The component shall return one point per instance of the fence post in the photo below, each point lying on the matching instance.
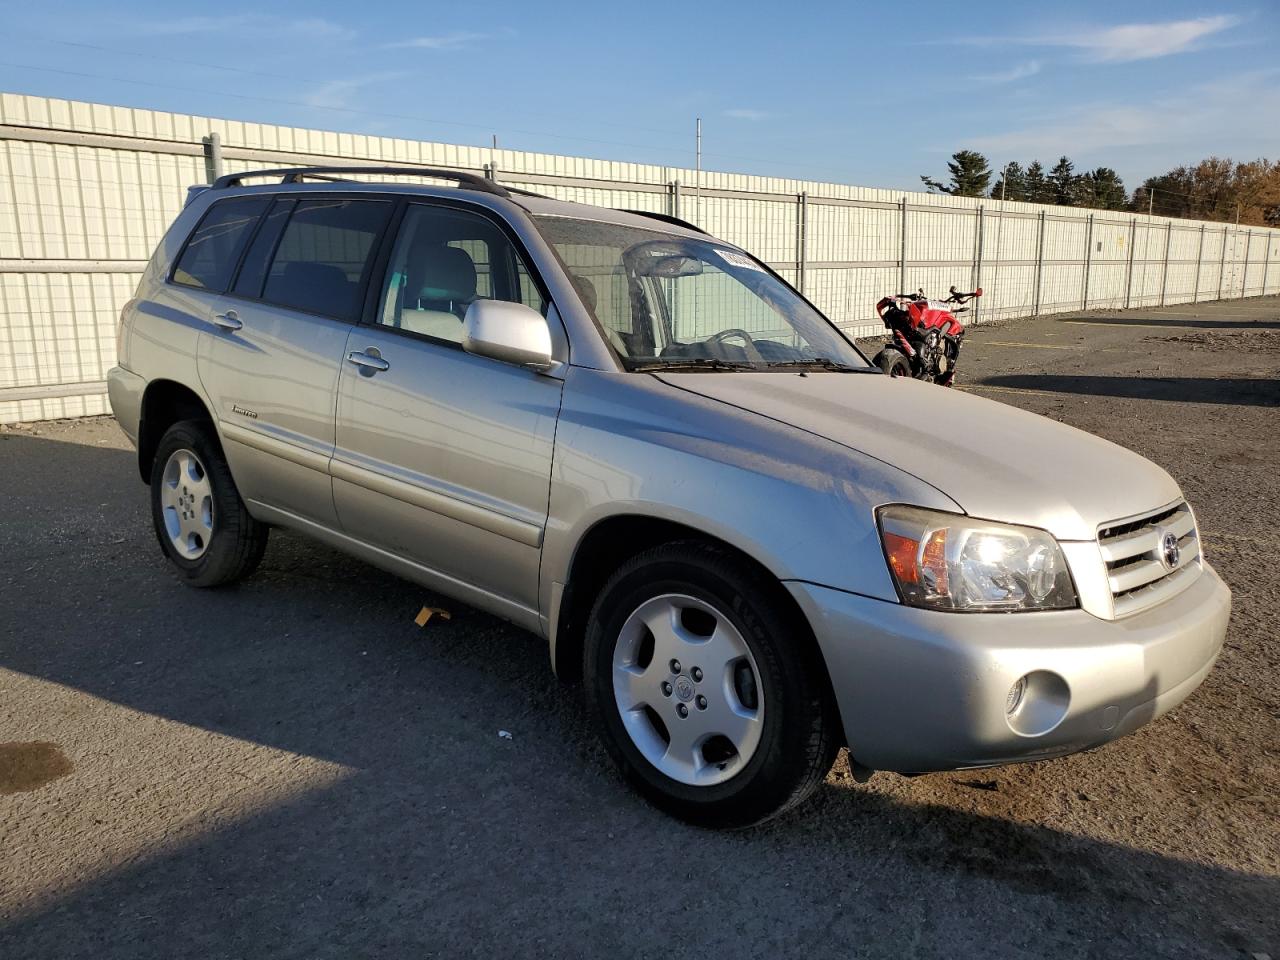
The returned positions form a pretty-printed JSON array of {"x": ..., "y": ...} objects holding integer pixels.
[
  {"x": 1035, "y": 310},
  {"x": 1195, "y": 296},
  {"x": 1088, "y": 262},
  {"x": 1164, "y": 273},
  {"x": 1222, "y": 264},
  {"x": 902, "y": 253},
  {"x": 1244, "y": 279},
  {"x": 213, "y": 156},
  {"x": 977, "y": 284},
  {"x": 802, "y": 238},
  {"x": 1266, "y": 266},
  {"x": 1128, "y": 276}
]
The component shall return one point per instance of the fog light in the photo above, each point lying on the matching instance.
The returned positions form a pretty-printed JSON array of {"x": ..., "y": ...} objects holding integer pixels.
[{"x": 1014, "y": 700}]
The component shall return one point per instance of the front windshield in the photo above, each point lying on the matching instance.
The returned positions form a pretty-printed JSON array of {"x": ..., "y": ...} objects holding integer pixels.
[{"x": 674, "y": 301}]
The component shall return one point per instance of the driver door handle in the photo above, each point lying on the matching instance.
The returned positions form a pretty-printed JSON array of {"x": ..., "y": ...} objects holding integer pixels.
[
  {"x": 228, "y": 321},
  {"x": 367, "y": 361}
]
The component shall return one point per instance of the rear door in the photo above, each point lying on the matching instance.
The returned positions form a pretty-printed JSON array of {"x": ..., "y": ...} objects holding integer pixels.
[
  {"x": 443, "y": 457},
  {"x": 270, "y": 361}
]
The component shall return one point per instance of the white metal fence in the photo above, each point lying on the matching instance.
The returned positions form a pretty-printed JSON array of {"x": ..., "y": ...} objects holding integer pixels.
[{"x": 87, "y": 190}]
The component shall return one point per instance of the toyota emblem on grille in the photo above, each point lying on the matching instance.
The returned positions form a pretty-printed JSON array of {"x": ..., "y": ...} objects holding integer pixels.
[{"x": 1169, "y": 551}]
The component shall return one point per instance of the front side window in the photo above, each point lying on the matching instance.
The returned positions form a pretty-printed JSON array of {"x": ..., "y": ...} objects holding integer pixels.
[
  {"x": 214, "y": 249},
  {"x": 323, "y": 255},
  {"x": 444, "y": 260},
  {"x": 665, "y": 300}
]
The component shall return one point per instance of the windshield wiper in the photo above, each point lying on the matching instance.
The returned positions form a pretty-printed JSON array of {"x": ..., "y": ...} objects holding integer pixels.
[
  {"x": 687, "y": 363},
  {"x": 824, "y": 363}
]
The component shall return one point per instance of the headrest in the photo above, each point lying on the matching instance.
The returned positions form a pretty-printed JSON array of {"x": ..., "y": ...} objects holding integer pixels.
[{"x": 442, "y": 273}]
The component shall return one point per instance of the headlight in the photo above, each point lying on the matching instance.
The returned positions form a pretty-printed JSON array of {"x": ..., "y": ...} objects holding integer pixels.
[{"x": 945, "y": 561}]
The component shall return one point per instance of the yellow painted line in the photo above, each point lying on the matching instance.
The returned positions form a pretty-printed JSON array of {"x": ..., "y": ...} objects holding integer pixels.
[{"x": 1015, "y": 343}]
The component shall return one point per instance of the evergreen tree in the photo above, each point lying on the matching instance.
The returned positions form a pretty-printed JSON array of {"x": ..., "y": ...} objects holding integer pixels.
[
  {"x": 970, "y": 176},
  {"x": 1038, "y": 188},
  {"x": 1012, "y": 184},
  {"x": 1065, "y": 183},
  {"x": 1102, "y": 188}
]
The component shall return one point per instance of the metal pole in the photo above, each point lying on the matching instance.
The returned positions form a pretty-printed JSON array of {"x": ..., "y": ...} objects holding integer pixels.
[
  {"x": 698, "y": 170},
  {"x": 1244, "y": 279},
  {"x": 1266, "y": 266},
  {"x": 1088, "y": 262},
  {"x": 1222, "y": 264},
  {"x": 977, "y": 285},
  {"x": 1151, "y": 202},
  {"x": 802, "y": 229},
  {"x": 902, "y": 253},
  {"x": 213, "y": 156},
  {"x": 675, "y": 199},
  {"x": 1128, "y": 277},
  {"x": 1195, "y": 296},
  {"x": 1035, "y": 312},
  {"x": 1164, "y": 273}
]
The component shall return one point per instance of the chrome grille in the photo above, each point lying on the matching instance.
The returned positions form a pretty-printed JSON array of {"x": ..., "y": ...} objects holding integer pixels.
[{"x": 1138, "y": 571}]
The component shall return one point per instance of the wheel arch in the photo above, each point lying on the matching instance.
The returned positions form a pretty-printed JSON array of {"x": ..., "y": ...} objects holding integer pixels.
[
  {"x": 164, "y": 403},
  {"x": 611, "y": 542}
]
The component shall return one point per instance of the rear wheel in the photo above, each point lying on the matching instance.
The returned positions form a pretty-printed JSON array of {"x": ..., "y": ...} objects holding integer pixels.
[
  {"x": 893, "y": 363},
  {"x": 199, "y": 518},
  {"x": 709, "y": 696}
]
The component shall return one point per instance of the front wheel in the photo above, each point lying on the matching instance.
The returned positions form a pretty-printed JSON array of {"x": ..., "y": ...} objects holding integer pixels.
[
  {"x": 200, "y": 520},
  {"x": 893, "y": 363},
  {"x": 709, "y": 695}
]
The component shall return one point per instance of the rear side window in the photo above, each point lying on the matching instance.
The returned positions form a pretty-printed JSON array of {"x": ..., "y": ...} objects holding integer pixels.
[
  {"x": 214, "y": 249},
  {"x": 323, "y": 256}
]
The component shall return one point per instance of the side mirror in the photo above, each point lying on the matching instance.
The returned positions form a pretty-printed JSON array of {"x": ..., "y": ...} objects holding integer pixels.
[{"x": 510, "y": 332}]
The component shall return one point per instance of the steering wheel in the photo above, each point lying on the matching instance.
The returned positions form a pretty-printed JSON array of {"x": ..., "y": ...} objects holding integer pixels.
[{"x": 748, "y": 345}]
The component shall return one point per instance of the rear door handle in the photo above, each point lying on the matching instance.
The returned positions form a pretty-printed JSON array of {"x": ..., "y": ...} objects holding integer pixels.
[
  {"x": 228, "y": 321},
  {"x": 369, "y": 360}
]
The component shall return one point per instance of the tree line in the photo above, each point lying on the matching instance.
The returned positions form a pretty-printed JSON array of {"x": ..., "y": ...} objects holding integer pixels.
[{"x": 1213, "y": 189}]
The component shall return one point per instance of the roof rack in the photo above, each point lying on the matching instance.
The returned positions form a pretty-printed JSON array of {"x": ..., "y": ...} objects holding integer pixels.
[
  {"x": 466, "y": 181},
  {"x": 666, "y": 218}
]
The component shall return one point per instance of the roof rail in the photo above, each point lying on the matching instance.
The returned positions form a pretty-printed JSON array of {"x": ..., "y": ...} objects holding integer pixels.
[
  {"x": 666, "y": 218},
  {"x": 466, "y": 181}
]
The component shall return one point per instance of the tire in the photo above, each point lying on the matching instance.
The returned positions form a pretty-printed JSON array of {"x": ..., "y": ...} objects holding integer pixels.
[
  {"x": 200, "y": 520},
  {"x": 773, "y": 697},
  {"x": 893, "y": 363}
]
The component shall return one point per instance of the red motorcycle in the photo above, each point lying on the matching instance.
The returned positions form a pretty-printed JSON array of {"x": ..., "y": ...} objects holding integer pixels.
[{"x": 925, "y": 335}]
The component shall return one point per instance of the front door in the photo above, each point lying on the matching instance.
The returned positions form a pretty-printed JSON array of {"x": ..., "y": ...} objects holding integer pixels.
[{"x": 442, "y": 457}]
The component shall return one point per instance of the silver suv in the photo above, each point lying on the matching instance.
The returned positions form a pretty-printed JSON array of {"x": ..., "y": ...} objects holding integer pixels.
[{"x": 639, "y": 442}]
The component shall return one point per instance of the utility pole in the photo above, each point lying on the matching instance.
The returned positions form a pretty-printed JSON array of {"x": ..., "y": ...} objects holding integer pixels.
[{"x": 1151, "y": 201}]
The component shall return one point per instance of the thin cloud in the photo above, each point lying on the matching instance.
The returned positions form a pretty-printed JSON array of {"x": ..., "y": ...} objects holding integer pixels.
[
  {"x": 445, "y": 41},
  {"x": 338, "y": 94},
  {"x": 315, "y": 27},
  {"x": 745, "y": 113},
  {"x": 1186, "y": 124},
  {"x": 1126, "y": 42},
  {"x": 1019, "y": 72}
]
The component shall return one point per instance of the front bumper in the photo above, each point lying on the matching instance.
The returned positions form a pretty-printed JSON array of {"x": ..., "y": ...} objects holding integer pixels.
[{"x": 922, "y": 690}]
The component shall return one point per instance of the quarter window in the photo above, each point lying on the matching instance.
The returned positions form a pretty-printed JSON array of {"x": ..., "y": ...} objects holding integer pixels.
[
  {"x": 214, "y": 249},
  {"x": 320, "y": 262}
]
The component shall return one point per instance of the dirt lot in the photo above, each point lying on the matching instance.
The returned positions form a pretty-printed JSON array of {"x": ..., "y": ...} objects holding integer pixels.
[{"x": 292, "y": 768}]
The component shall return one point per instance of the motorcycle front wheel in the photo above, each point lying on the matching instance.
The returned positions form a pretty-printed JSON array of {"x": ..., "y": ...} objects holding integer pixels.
[{"x": 893, "y": 363}]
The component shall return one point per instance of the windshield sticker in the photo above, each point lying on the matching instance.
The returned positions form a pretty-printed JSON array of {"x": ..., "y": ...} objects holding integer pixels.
[{"x": 735, "y": 259}]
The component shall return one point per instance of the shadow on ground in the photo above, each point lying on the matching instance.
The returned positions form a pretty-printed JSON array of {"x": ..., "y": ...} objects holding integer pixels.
[
  {"x": 1241, "y": 391},
  {"x": 447, "y": 839},
  {"x": 1173, "y": 322}
]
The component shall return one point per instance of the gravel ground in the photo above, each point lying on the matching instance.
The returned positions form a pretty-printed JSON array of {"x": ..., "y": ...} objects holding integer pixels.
[{"x": 292, "y": 768}]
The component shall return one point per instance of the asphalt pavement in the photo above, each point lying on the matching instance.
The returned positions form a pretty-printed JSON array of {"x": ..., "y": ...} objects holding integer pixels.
[{"x": 293, "y": 768}]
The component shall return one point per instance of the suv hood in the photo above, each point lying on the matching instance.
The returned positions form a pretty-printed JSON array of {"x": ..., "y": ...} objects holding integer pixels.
[{"x": 996, "y": 461}]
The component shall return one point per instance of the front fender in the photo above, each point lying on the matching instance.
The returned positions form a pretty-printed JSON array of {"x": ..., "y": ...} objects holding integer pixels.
[{"x": 800, "y": 505}]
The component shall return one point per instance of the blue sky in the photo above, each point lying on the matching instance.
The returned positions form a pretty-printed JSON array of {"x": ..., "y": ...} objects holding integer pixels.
[{"x": 867, "y": 93}]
